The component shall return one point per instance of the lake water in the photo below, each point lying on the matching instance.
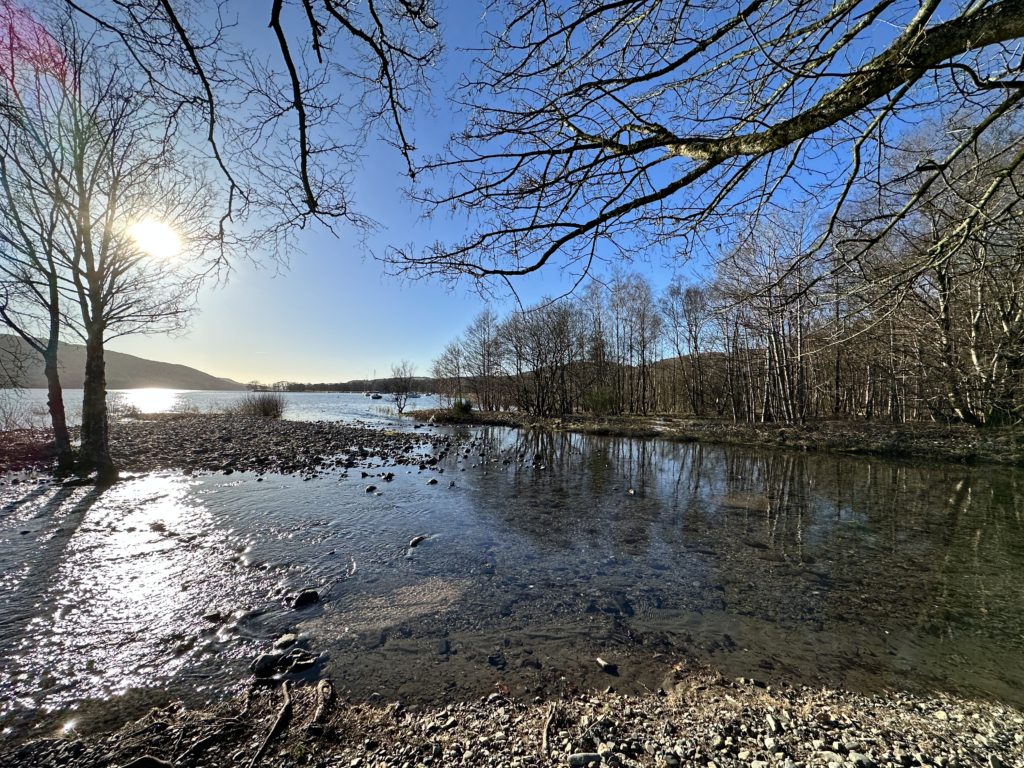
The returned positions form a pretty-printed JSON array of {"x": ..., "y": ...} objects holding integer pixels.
[
  {"x": 550, "y": 550},
  {"x": 301, "y": 406}
]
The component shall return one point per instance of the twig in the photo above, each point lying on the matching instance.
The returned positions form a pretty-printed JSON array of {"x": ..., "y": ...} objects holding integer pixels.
[
  {"x": 547, "y": 728},
  {"x": 198, "y": 745},
  {"x": 247, "y": 703},
  {"x": 280, "y": 723}
]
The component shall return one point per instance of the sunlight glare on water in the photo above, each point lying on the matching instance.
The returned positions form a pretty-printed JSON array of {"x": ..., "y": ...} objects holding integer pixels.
[
  {"x": 123, "y": 606},
  {"x": 151, "y": 400}
]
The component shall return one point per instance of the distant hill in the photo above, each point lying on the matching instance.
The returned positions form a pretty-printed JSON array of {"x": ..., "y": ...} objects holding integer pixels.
[{"x": 123, "y": 371}]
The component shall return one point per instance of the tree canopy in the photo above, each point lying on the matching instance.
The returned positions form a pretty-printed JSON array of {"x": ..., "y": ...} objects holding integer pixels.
[
  {"x": 283, "y": 121},
  {"x": 600, "y": 129}
]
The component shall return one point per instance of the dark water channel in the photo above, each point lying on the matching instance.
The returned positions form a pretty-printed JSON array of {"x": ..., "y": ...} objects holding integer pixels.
[{"x": 550, "y": 550}]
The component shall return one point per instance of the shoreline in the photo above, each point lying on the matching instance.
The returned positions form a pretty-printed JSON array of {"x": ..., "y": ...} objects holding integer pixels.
[
  {"x": 227, "y": 443},
  {"x": 235, "y": 443},
  {"x": 698, "y": 719},
  {"x": 922, "y": 441}
]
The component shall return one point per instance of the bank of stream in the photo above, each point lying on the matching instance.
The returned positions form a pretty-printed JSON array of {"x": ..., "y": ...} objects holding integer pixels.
[{"x": 923, "y": 441}]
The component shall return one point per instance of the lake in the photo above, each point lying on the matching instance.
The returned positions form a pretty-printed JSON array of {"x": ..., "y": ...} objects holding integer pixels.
[
  {"x": 301, "y": 406},
  {"x": 549, "y": 549}
]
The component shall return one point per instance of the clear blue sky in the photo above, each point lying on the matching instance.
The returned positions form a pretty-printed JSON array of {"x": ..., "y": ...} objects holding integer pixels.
[{"x": 333, "y": 314}]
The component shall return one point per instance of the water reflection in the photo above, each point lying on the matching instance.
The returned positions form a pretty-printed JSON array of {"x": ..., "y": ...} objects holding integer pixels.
[
  {"x": 846, "y": 571},
  {"x": 548, "y": 550}
]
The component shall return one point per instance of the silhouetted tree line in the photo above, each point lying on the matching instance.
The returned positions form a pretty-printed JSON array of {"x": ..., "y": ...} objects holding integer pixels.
[
  {"x": 417, "y": 384},
  {"x": 770, "y": 336}
]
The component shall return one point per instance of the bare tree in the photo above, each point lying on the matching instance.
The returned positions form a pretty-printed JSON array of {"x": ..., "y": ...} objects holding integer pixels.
[
  {"x": 96, "y": 197},
  {"x": 448, "y": 369},
  {"x": 402, "y": 376},
  {"x": 480, "y": 358},
  {"x": 30, "y": 298},
  {"x": 602, "y": 129},
  {"x": 284, "y": 130}
]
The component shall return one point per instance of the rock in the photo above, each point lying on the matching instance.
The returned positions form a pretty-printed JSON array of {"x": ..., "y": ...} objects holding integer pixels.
[
  {"x": 861, "y": 761},
  {"x": 305, "y": 599},
  {"x": 265, "y": 664},
  {"x": 497, "y": 660},
  {"x": 940, "y": 715},
  {"x": 432, "y": 481},
  {"x": 285, "y": 640},
  {"x": 370, "y": 488},
  {"x": 147, "y": 761},
  {"x": 773, "y": 725},
  {"x": 298, "y": 660},
  {"x": 607, "y": 666},
  {"x": 417, "y": 540},
  {"x": 583, "y": 759},
  {"x": 995, "y": 762}
]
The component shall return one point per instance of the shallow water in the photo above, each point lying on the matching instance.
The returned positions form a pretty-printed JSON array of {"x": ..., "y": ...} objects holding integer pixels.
[{"x": 550, "y": 550}]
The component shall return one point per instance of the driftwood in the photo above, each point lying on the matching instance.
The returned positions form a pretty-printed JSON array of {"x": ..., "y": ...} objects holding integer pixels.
[
  {"x": 324, "y": 700},
  {"x": 280, "y": 723},
  {"x": 545, "y": 747}
]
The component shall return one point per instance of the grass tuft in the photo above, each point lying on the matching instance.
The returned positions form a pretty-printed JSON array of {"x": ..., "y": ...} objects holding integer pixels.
[{"x": 261, "y": 405}]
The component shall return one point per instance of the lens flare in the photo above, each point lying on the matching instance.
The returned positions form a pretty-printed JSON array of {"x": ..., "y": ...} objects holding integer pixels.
[{"x": 155, "y": 238}]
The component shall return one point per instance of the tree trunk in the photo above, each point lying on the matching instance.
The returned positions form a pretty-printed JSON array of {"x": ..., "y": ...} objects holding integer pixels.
[
  {"x": 95, "y": 452},
  {"x": 55, "y": 403}
]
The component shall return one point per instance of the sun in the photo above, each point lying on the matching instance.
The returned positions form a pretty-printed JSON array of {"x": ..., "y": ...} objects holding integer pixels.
[{"x": 155, "y": 238}]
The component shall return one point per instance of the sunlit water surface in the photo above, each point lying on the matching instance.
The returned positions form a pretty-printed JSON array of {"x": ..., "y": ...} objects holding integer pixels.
[
  {"x": 550, "y": 549},
  {"x": 300, "y": 406}
]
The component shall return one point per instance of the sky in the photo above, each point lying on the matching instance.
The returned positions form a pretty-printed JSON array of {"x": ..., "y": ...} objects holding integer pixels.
[
  {"x": 331, "y": 314},
  {"x": 334, "y": 314}
]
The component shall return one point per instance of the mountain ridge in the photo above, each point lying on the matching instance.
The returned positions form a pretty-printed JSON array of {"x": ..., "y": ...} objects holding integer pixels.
[{"x": 124, "y": 371}]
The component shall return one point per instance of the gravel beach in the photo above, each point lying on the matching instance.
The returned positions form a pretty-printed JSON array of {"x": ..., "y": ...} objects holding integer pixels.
[
  {"x": 701, "y": 720},
  {"x": 231, "y": 443}
]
